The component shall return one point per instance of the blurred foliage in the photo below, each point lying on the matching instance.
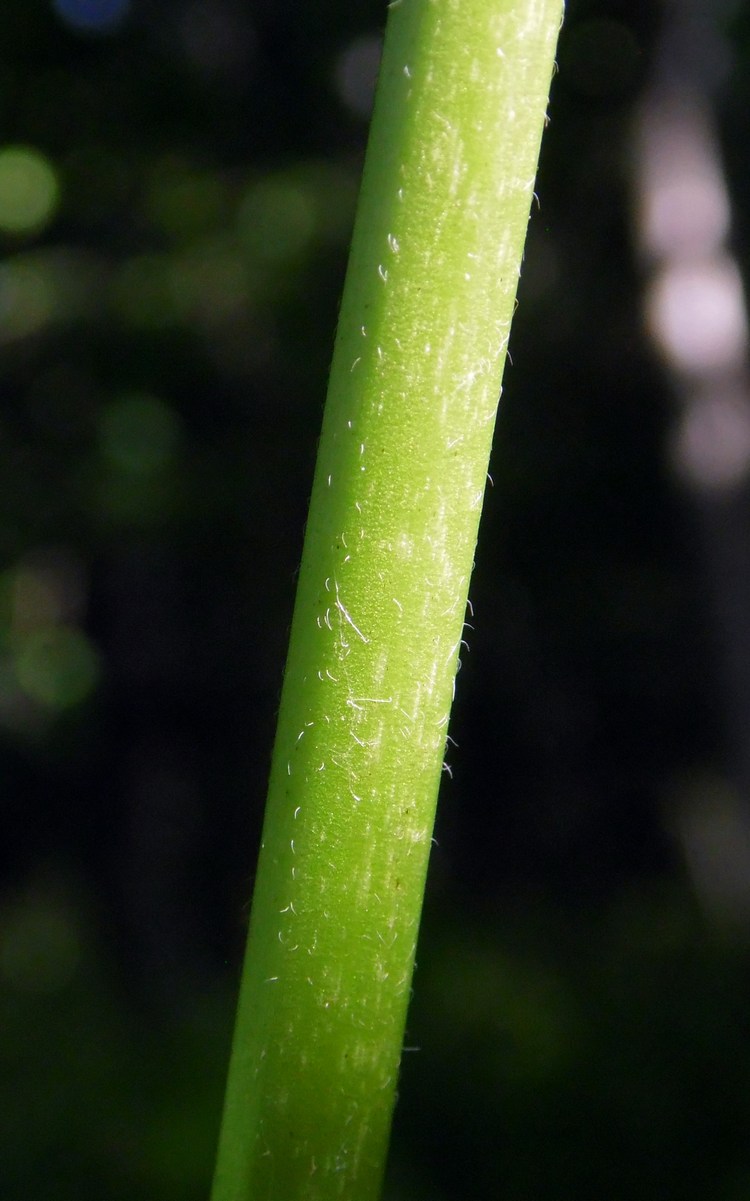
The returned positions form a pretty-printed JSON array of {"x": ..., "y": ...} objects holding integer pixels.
[{"x": 177, "y": 185}]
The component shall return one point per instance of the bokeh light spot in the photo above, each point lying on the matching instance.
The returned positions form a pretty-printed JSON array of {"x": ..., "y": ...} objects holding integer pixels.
[
  {"x": 39, "y": 947},
  {"x": 139, "y": 433},
  {"x": 28, "y": 297},
  {"x": 57, "y": 667},
  {"x": 208, "y": 282},
  {"x": 35, "y": 600},
  {"x": 141, "y": 295},
  {"x": 276, "y": 220},
  {"x": 92, "y": 16},
  {"x": 185, "y": 203},
  {"x": 217, "y": 37},
  {"x": 29, "y": 190},
  {"x": 47, "y": 588},
  {"x": 356, "y": 73}
]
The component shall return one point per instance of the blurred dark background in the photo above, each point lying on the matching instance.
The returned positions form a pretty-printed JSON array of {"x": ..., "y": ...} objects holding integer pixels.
[{"x": 177, "y": 184}]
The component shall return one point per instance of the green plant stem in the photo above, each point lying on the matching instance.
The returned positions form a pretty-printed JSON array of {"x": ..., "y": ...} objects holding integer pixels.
[{"x": 381, "y": 597}]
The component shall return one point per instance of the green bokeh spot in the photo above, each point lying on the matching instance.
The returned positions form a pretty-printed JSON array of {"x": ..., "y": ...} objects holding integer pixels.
[
  {"x": 30, "y": 296},
  {"x": 29, "y": 190},
  {"x": 57, "y": 667},
  {"x": 139, "y": 434},
  {"x": 39, "y": 947},
  {"x": 276, "y": 220}
]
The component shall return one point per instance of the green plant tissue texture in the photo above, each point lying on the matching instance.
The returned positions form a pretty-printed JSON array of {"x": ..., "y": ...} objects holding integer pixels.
[{"x": 381, "y": 596}]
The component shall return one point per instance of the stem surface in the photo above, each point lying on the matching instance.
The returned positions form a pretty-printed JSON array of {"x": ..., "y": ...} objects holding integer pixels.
[{"x": 381, "y": 597}]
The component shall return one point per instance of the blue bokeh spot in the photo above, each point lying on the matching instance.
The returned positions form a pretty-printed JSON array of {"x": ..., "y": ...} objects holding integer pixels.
[{"x": 92, "y": 16}]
